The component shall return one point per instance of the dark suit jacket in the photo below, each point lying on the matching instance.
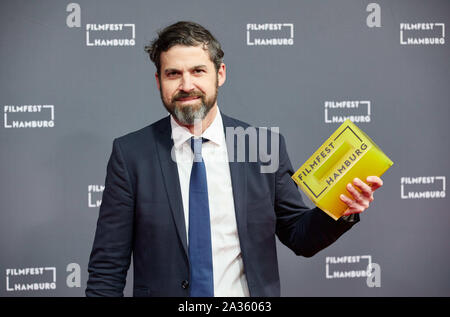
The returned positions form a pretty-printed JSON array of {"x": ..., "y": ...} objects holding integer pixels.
[{"x": 142, "y": 215}]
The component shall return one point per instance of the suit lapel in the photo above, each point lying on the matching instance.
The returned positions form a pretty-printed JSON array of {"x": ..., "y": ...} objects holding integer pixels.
[{"x": 171, "y": 179}]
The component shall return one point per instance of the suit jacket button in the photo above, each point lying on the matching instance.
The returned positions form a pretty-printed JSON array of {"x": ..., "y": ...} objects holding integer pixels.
[{"x": 185, "y": 284}]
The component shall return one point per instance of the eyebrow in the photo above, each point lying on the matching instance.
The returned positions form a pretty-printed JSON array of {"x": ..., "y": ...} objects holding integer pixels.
[{"x": 168, "y": 70}]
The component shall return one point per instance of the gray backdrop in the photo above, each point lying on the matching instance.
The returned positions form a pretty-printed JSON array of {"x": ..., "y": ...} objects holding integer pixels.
[{"x": 341, "y": 51}]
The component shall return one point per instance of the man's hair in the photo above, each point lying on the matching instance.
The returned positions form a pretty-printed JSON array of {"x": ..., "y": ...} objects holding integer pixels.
[{"x": 186, "y": 34}]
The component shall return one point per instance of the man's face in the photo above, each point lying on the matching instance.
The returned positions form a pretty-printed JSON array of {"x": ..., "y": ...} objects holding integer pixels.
[{"x": 188, "y": 82}]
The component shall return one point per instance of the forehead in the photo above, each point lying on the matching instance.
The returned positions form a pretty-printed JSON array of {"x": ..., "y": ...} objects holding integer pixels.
[{"x": 180, "y": 56}]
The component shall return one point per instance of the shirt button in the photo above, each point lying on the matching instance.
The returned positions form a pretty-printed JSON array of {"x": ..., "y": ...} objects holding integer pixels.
[{"x": 185, "y": 284}]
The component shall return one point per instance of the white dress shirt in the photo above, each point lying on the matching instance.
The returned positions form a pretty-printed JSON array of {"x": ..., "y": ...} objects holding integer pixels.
[{"x": 228, "y": 267}]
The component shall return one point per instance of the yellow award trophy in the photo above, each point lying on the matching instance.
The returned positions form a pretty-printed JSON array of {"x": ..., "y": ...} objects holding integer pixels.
[{"x": 348, "y": 153}]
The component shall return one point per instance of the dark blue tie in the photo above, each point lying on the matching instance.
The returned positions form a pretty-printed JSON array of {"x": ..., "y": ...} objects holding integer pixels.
[{"x": 200, "y": 253}]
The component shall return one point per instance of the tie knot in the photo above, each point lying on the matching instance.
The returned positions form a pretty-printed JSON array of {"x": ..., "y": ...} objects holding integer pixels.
[{"x": 196, "y": 145}]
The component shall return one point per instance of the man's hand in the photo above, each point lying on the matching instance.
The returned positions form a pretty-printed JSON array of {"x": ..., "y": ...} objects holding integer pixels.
[{"x": 363, "y": 197}]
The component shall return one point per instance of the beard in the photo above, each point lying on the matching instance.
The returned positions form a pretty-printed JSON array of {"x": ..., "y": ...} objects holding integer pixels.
[{"x": 187, "y": 114}]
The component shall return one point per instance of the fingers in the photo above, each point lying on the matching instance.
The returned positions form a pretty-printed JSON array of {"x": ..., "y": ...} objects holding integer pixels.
[
  {"x": 357, "y": 196},
  {"x": 366, "y": 191},
  {"x": 353, "y": 206},
  {"x": 362, "y": 197},
  {"x": 375, "y": 182},
  {"x": 349, "y": 202}
]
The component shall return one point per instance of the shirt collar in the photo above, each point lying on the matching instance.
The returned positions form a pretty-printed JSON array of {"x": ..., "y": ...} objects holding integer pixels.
[{"x": 213, "y": 133}]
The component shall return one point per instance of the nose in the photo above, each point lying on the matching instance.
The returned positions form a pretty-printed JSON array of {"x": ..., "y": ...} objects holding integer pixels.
[{"x": 186, "y": 82}]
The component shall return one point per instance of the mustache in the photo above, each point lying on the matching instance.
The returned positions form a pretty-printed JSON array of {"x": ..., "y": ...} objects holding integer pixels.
[{"x": 183, "y": 94}]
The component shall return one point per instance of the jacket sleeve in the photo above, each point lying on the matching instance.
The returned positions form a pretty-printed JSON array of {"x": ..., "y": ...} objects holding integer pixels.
[
  {"x": 305, "y": 231},
  {"x": 111, "y": 252}
]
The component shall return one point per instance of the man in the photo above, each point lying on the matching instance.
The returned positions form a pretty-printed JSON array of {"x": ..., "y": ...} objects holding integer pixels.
[{"x": 197, "y": 222}]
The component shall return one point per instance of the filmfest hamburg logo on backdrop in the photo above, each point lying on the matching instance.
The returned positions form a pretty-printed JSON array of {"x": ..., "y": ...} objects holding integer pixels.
[
  {"x": 40, "y": 278},
  {"x": 422, "y": 33},
  {"x": 121, "y": 34},
  {"x": 102, "y": 34},
  {"x": 29, "y": 116},
  {"x": 422, "y": 187},
  {"x": 355, "y": 110},
  {"x": 270, "y": 34},
  {"x": 354, "y": 266},
  {"x": 95, "y": 195},
  {"x": 31, "y": 279}
]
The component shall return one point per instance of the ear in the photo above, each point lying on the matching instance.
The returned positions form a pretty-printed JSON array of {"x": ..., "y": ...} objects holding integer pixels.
[
  {"x": 221, "y": 74},
  {"x": 158, "y": 84}
]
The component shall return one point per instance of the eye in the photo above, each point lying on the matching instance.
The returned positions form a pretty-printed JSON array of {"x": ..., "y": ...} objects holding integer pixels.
[
  {"x": 172, "y": 73},
  {"x": 199, "y": 71}
]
